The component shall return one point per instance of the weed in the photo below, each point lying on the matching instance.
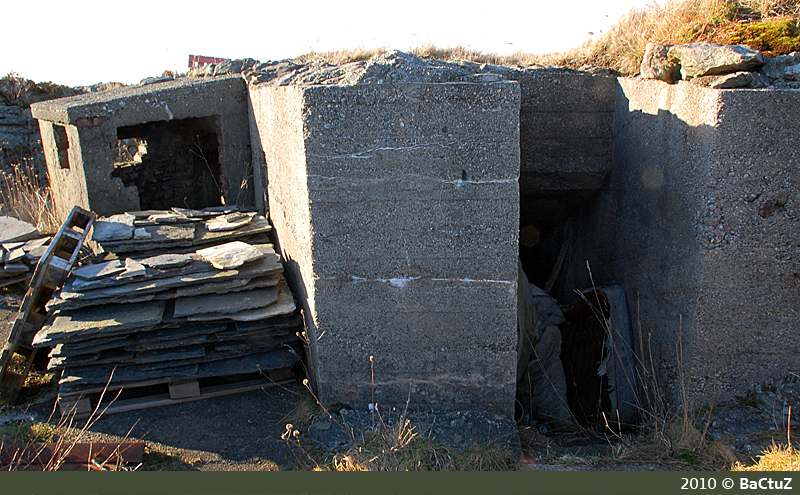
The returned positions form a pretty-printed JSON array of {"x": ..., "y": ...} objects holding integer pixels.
[
  {"x": 157, "y": 461},
  {"x": 25, "y": 197},
  {"x": 16, "y": 90},
  {"x": 62, "y": 436},
  {"x": 400, "y": 446},
  {"x": 775, "y": 458},
  {"x": 27, "y": 432}
]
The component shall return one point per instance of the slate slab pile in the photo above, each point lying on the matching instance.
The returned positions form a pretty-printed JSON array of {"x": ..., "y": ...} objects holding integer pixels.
[
  {"x": 21, "y": 246},
  {"x": 181, "y": 298}
]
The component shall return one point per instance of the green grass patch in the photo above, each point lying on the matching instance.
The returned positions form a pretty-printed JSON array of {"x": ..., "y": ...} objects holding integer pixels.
[{"x": 778, "y": 37}]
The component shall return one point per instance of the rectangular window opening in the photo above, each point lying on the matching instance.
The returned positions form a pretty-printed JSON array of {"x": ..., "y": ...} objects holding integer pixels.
[
  {"x": 172, "y": 164},
  {"x": 62, "y": 145}
]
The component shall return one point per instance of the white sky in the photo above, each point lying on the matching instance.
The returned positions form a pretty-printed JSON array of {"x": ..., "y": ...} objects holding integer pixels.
[{"x": 83, "y": 42}]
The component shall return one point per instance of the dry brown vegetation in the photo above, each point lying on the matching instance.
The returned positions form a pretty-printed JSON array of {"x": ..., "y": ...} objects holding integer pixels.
[
  {"x": 760, "y": 23},
  {"x": 16, "y": 90},
  {"x": 767, "y": 25},
  {"x": 23, "y": 196}
]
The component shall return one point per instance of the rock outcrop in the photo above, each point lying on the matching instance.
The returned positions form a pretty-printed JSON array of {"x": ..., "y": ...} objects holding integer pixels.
[
  {"x": 656, "y": 64},
  {"x": 707, "y": 59},
  {"x": 720, "y": 66}
]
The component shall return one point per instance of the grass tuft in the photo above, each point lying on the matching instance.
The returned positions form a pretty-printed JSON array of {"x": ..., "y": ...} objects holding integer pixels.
[
  {"x": 777, "y": 457},
  {"x": 23, "y": 196},
  {"x": 401, "y": 447}
]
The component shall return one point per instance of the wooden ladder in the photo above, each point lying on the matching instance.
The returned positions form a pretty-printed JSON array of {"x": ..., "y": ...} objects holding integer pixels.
[{"x": 50, "y": 274}]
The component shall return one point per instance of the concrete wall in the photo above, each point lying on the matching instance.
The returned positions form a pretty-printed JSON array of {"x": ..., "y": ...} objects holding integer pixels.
[
  {"x": 711, "y": 280},
  {"x": 92, "y": 120},
  {"x": 566, "y": 126},
  {"x": 399, "y": 205}
]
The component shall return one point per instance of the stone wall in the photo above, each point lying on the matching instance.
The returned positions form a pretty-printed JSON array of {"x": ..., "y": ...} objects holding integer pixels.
[
  {"x": 699, "y": 224},
  {"x": 20, "y": 141},
  {"x": 398, "y": 206}
]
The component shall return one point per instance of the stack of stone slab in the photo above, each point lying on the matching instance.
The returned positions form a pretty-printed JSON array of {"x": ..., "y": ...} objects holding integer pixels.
[
  {"x": 21, "y": 246},
  {"x": 157, "y": 309}
]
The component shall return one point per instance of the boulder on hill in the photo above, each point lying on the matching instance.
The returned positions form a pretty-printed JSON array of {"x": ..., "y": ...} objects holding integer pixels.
[
  {"x": 707, "y": 59},
  {"x": 656, "y": 64}
]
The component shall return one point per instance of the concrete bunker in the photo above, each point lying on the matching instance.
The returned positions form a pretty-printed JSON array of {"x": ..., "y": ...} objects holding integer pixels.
[{"x": 402, "y": 203}]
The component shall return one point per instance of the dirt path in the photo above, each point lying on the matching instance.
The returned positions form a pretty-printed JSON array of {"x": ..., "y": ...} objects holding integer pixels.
[{"x": 231, "y": 433}]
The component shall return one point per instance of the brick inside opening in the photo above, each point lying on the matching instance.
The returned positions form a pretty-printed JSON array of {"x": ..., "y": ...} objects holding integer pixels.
[
  {"x": 172, "y": 164},
  {"x": 62, "y": 145}
]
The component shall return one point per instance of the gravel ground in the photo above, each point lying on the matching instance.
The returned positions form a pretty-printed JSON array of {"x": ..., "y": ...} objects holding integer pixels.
[{"x": 243, "y": 431}]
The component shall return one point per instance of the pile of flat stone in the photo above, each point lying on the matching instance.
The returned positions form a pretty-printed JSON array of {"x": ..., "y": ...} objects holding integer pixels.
[
  {"x": 21, "y": 246},
  {"x": 175, "y": 297}
]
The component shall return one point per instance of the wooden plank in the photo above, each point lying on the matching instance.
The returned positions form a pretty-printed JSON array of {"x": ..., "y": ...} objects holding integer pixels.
[
  {"x": 51, "y": 455},
  {"x": 80, "y": 407},
  {"x": 184, "y": 389},
  {"x": 158, "y": 400},
  {"x": 113, "y": 387}
]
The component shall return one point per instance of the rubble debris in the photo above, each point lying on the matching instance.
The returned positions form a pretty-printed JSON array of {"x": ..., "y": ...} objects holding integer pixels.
[
  {"x": 706, "y": 59},
  {"x": 138, "y": 232},
  {"x": 21, "y": 247},
  {"x": 13, "y": 230},
  {"x": 718, "y": 66},
  {"x": 231, "y": 255},
  {"x": 656, "y": 64},
  {"x": 114, "y": 228},
  {"x": 100, "y": 270},
  {"x": 163, "y": 312}
]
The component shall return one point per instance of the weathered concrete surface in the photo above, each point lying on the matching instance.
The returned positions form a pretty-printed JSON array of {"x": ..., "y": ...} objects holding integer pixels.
[
  {"x": 566, "y": 125},
  {"x": 699, "y": 224},
  {"x": 90, "y": 123},
  {"x": 387, "y": 200}
]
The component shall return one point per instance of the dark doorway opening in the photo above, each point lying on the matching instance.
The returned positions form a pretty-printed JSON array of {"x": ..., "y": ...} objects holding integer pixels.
[
  {"x": 172, "y": 164},
  {"x": 583, "y": 352}
]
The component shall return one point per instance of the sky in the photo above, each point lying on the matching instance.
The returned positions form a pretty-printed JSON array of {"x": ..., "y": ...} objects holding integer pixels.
[{"x": 83, "y": 42}]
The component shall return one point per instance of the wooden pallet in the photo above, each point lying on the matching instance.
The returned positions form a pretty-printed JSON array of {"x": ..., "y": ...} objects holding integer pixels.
[
  {"x": 50, "y": 274},
  {"x": 117, "y": 398}
]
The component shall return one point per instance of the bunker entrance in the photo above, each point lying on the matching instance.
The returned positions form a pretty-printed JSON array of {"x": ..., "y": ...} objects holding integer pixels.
[
  {"x": 172, "y": 164},
  {"x": 579, "y": 369}
]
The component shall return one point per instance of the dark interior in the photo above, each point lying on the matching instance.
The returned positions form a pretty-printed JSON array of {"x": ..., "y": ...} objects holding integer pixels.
[{"x": 172, "y": 163}]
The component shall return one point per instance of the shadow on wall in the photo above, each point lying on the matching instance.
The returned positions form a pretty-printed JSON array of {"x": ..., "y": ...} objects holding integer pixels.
[{"x": 640, "y": 232}]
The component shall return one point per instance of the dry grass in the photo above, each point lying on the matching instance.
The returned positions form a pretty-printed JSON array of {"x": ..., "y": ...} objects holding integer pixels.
[
  {"x": 16, "y": 90},
  {"x": 23, "y": 196},
  {"x": 675, "y": 22},
  {"x": 386, "y": 447},
  {"x": 401, "y": 447},
  {"x": 767, "y": 25},
  {"x": 341, "y": 56},
  {"x": 428, "y": 51},
  {"x": 775, "y": 458}
]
